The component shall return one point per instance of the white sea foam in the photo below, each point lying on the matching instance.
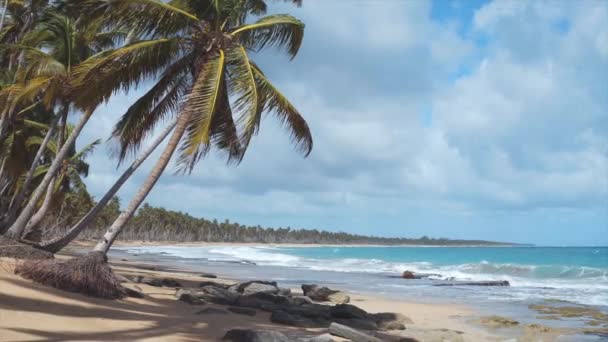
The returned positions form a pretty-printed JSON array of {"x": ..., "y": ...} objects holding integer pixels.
[{"x": 585, "y": 285}]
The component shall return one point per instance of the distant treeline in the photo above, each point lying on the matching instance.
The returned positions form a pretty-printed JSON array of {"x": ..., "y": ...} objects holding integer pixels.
[{"x": 159, "y": 224}]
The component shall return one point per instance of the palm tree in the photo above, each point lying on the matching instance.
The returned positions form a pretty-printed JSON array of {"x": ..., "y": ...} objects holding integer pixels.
[
  {"x": 51, "y": 53},
  {"x": 58, "y": 243},
  {"x": 200, "y": 51},
  {"x": 68, "y": 177}
]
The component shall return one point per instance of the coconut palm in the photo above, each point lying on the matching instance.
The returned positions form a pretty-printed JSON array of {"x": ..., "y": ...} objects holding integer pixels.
[
  {"x": 199, "y": 51},
  {"x": 67, "y": 178},
  {"x": 51, "y": 54}
]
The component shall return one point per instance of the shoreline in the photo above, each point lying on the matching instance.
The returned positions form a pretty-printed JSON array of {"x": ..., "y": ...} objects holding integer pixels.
[
  {"x": 63, "y": 315},
  {"x": 159, "y": 316},
  {"x": 142, "y": 243}
]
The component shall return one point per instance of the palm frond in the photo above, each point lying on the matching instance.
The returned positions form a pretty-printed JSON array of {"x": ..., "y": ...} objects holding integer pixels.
[
  {"x": 162, "y": 99},
  {"x": 279, "y": 30},
  {"x": 243, "y": 85},
  {"x": 149, "y": 18},
  {"x": 201, "y": 104},
  {"x": 275, "y": 102},
  {"x": 104, "y": 74}
]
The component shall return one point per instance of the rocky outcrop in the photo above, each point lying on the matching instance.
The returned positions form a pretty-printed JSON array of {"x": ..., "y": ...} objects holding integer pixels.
[
  {"x": 218, "y": 295},
  {"x": 242, "y": 311},
  {"x": 351, "y": 334},
  {"x": 247, "y": 335},
  {"x": 476, "y": 283},
  {"x": 324, "y": 294},
  {"x": 408, "y": 275},
  {"x": 157, "y": 282},
  {"x": 254, "y": 286},
  {"x": 188, "y": 296}
]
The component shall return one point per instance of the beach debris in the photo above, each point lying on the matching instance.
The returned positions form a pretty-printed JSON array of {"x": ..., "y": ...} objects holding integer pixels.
[
  {"x": 242, "y": 311},
  {"x": 211, "y": 311},
  {"x": 208, "y": 275},
  {"x": 188, "y": 296},
  {"x": 498, "y": 322},
  {"x": 218, "y": 295},
  {"x": 344, "y": 331},
  {"x": 476, "y": 283},
  {"x": 89, "y": 274},
  {"x": 408, "y": 275}
]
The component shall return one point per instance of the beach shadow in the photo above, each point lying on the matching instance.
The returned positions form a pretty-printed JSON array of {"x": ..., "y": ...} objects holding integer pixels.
[{"x": 152, "y": 318}]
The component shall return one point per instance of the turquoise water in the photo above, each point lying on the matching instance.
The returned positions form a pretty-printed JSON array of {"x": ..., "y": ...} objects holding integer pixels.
[{"x": 574, "y": 274}]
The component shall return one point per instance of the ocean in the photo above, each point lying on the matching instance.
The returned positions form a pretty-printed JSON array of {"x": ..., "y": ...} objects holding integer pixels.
[{"x": 575, "y": 275}]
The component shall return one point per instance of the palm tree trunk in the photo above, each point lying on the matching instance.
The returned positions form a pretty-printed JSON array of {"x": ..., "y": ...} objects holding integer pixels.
[
  {"x": 3, "y": 14},
  {"x": 32, "y": 230},
  {"x": 108, "y": 238},
  {"x": 18, "y": 198},
  {"x": 16, "y": 230},
  {"x": 55, "y": 245}
]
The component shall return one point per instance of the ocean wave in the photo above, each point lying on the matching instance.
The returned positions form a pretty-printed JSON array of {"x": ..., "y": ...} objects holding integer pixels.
[{"x": 577, "y": 283}]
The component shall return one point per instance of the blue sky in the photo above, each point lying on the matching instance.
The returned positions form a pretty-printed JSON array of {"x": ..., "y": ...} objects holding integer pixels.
[{"x": 460, "y": 119}]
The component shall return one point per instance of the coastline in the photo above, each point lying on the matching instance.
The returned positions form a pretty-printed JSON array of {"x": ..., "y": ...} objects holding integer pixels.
[{"x": 159, "y": 316}]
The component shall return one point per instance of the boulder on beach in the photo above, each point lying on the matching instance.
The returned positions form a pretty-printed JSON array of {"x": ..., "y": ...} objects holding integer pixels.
[
  {"x": 254, "y": 286},
  {"x": 218, "y": 295},
  {"x": 188, "y": 296},
  {"x": 324, "y": 294},
  {"x": 408, "y": 275}
]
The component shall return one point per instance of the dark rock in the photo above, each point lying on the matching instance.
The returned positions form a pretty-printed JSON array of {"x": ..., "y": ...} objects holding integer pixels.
[
  {"x": 124, "y": 259},
  {"x": 263, "y": 300},
  {"x": 187, "y": 296},
  {"x": 284, "y": 291},
  {"x": 314, "y": 311},
  {"x": 242, "y": 311},
  {"x": 390, "y": 320},
  {"x": 408, "y": 275},
  {"x": 135, "y": 292},
  {"x": 151, "y": 281},
  {"x": 208, "y": 275},
  {"x": 211, "y": 311},
  {"x": 300, "y": 300},
  {"x": 240, "y": 287},
  {"x": 245, "y": 335},
  {"x": 218, "y": 295},
  {"x": 316, "y": 293},
  {"x": 168, "y": 282},
  {"x": 358, "y": 323},
  {"x": 213, "y": 283},
  {"x": 318, "y": 338},
  {"x": 122, "y": 278},
  {"x": 477, "y": 283},
  {"x": 257, "y": 287},
  {"x": 351, "y": 334},
  {"x": 137, "y": 279},
  {"x": 348, "y": 311},
  {"x": 283, "y": 317}
]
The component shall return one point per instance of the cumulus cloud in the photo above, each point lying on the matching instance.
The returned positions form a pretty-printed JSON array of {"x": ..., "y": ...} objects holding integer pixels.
[{"x": 420, "y": 127}]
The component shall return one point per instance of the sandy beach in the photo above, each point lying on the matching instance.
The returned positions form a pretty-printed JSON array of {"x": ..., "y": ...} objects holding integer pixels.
[
  {"x": 31, "y": 312},
  {"x": 61, "y": 316}
]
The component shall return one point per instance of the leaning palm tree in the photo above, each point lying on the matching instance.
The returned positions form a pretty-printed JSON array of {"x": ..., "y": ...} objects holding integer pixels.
[
  {"x": 52, "y": 53},
  {"x": 200, "y": 52}
]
